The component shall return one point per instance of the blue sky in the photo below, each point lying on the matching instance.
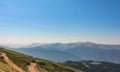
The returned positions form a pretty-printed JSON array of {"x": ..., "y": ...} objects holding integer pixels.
[{"x": 43, "y": 21}]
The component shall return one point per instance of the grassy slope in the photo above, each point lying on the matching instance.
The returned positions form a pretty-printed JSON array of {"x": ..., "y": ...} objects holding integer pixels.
[
  {"x": 22, "y": 60},
  {"x": 55, "y": 67},
  {"x": 5, "y": 67},
  {"x": 19, "y": 59}
]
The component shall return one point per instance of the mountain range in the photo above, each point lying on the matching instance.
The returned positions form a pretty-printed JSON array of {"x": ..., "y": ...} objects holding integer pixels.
[{"x": 60, "y": 52}]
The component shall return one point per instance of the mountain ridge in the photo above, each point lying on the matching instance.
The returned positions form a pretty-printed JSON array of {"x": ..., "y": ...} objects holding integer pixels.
[
  {"x": 63, "y": 44},
  {"x": 73, "y": 51}
]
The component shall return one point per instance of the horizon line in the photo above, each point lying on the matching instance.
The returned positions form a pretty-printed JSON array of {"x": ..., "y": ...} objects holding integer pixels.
[{"x": 58, "y": 42}]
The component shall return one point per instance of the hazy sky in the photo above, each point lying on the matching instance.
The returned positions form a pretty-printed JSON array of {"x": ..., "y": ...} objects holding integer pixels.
[{"x": 43, "y": 21}]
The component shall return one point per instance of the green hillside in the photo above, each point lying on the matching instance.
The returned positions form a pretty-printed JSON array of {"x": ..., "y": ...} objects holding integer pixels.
[{"x": 23, "y": 60}]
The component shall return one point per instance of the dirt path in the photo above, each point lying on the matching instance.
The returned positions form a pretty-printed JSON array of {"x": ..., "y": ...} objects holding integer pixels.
[
  {"x": 10, "y": 63},
  {"x": 33, "y": 68}
]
